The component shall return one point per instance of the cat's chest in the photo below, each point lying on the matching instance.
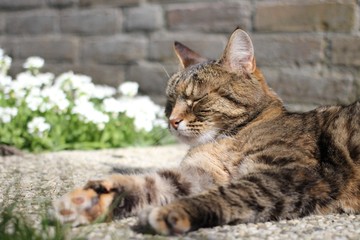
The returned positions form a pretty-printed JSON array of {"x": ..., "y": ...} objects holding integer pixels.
[
  {"x": 222, "y": 158},
  {"x": 226, "y": 159}
]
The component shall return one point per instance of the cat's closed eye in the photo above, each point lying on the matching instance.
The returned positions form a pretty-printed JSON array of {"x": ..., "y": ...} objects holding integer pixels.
[
  {"x": 192, "y": 102},
  {"x": 189, "y": 103},
  {"x": 199, "y": 99}
]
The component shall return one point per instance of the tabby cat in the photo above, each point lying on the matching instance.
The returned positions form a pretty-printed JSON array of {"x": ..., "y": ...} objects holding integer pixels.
[{"x": 250, "y": 160}]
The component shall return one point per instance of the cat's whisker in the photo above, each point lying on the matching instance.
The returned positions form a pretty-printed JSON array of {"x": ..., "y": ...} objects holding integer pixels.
[{"x": 167, "y": 74}]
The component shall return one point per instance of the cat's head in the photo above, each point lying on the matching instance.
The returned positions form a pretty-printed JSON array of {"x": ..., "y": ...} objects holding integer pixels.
[{"x": 209, "y": 99}]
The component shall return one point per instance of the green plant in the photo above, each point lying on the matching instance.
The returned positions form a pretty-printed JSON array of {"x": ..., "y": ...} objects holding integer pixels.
[
  {"x": 16, "y": 226},
  {"x": 39, "y": 112}
]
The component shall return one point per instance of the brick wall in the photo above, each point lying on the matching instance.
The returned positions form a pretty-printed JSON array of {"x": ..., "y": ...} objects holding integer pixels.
[{"x": 309, "y": 50}]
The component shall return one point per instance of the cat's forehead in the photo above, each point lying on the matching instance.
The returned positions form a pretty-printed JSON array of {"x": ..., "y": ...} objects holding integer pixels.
[{"x": 194, "y": 79}]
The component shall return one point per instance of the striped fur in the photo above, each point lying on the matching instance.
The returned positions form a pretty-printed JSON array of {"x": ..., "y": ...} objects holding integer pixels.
[{"x": 250, "y": 160}]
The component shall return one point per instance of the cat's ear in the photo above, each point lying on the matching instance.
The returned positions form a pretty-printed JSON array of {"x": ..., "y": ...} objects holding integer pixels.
[
  {"x": 187, "y": 57},
  {"x": 239, "y": 53}
]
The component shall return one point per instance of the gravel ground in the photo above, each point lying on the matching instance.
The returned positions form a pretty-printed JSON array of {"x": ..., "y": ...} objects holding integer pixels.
[{"x": 34, "y": 180}]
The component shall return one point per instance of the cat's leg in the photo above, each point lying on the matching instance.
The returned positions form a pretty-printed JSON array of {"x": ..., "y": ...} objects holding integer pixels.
[
  {"x": 257, "y": 197},
  {"x": 126, "y": 195},
  {"x": 122, "y": 195}
]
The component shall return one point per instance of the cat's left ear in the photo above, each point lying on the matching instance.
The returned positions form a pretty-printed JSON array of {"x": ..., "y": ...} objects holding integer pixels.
[
  {"x": 239, "y": 53},
  {"x": 187, "y": 57}
]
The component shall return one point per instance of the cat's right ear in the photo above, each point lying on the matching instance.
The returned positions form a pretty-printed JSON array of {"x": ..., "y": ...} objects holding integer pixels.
[
  {"x": 187, "y": 57},
  {"x": 239, "y": 53}
]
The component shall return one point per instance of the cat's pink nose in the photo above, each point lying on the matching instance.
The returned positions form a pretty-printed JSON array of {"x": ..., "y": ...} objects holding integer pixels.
[{"x": 174, "y": 122}]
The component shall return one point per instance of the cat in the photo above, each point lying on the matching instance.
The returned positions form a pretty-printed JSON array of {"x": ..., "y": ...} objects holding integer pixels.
[{"x": 250, "y": 159}]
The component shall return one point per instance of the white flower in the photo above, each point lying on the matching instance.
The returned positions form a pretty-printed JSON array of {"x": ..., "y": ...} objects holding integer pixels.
[
  {"x": 77, "y": 84},
  {"x": 129, "y": 89},
  {"x": 83, "y": 85},
  {"x": 45, "y": 79},
  {"x": 160, "y": 121},
  {"x": 83, "y": 107},
  {"x": 5, "y": 80},
  {"x": 64, "y": 81},
  {"x": 103, "y": 91},
  {"x": 16, "y": 91},
  {"x": 34, "y": 99},
  {"x": 71, "y": 81},
  {"x": 112, "y": 105},
  {"x": 7, "y": 113},
  {"x": 56, "y": 98},
  {"x": 5, "y": 62},
  {"x": 146, "y": 114},
  {"x": 38, "y": 126},
  {"x": 34, "y": 62},
  {"x": 45, "y": 99},
  {"x": 25, "y": 80},
  {"x": 5, "y": 84},
  {"x": 88, "y": 113}
]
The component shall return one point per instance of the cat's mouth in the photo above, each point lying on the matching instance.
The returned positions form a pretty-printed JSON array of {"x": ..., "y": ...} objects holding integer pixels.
[{"x": 193, "y": 138}]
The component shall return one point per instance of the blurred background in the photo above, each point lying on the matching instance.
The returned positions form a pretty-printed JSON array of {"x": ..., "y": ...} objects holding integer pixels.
[{"x": 309, "y": 50}]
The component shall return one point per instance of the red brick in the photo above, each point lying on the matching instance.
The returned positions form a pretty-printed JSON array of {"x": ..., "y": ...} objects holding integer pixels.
[
  {"x": 307, "y": 86},
  {"x": 178, "y": 1},
  {"x": 61, "y": 3},
  {"x": 272, "y": 76},
  {"x": 114, "y": 50},
  {"x": 305, "y": 15},
  {"x": 109, "y": 2},
  {"x": 8, "y": 45},
  {"x": 346, "y": 50},
  {"x": 215, "y": 17},
  {"x": 91, "y": 21},
  {"x": 32, "y": 22},
  {"x": 20, "y": 4},
  {"x": 2, "y": 23},
  {"x": 102, "y": 74},
  {"x": 285, "y": 50},
  {"x": 51, "y": 48},
  {"x": 148, "y": 17}
]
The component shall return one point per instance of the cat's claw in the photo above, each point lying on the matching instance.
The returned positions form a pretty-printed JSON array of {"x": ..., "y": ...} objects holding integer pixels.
[
  {"x": 81, "y": 207},
  {"x": 165, "y": 220}
]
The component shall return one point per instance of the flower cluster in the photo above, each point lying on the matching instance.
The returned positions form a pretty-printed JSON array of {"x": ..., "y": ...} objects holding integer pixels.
[
  {"x": 5, "y": 62},
  {"x": 145, "y": 113},
  {"x": 7, "y": 113},
  {"x": 67, "y": 110},
  {"x": 38, "y": 126}
]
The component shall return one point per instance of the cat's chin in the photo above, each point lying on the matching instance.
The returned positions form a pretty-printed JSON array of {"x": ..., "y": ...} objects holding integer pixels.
[
  {"x": 188, "y": 140},
  {"x": 195, "y": 140}
]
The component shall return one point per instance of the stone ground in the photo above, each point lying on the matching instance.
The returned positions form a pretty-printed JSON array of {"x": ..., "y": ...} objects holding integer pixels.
[{"x": 34, "y": 180}]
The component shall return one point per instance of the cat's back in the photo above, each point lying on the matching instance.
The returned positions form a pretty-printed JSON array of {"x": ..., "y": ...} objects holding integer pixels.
[
  {"x": 340, "y": 132},
  {"x": 324, "y": 133}
]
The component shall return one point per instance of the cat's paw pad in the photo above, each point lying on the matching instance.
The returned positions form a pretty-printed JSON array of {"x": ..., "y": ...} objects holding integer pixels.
[
  {"x": 165, "y": 220},
  {"x": 81, "y": 206},
  {"x": 100, "y": 186}
]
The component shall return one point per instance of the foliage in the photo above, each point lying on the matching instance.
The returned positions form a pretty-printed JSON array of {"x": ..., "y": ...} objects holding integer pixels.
[
  {"x": 39, "y": 111},
  {"x": 15, "y": 226}
]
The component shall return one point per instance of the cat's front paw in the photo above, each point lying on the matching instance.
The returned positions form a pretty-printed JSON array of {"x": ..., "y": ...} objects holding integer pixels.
[
  {"x": 168, "y": 220},
  {"x": 82, "y": 206}
]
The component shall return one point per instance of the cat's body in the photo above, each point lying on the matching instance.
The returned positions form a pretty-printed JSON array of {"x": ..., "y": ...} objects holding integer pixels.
[{"x": 250, "y": 160}]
